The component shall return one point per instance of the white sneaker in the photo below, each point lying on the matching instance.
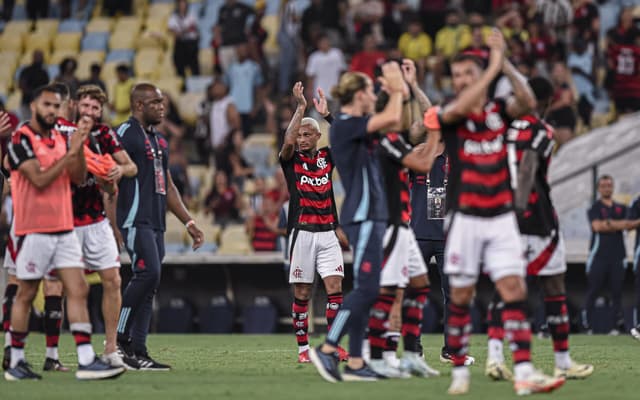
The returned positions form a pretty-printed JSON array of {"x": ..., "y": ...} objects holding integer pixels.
[
  {"x": 414, "y": 364},
  {"x": 461, "y": 379},
  {"x": 113, "y": 359},
  {"x": 391, "y": 358},
  {"x": 537, "y": 382},
  {"x": 498, "y": 371},
  {"x": 635, "y": 332},
  {"x": 381, "y": 367}
]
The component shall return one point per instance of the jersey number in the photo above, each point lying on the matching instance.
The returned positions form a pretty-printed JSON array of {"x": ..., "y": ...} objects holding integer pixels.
[{"x": 626, "y": 64}]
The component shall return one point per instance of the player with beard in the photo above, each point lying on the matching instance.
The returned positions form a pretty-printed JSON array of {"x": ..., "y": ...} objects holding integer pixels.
[
  {"x": 43, "y": 165},
  {"x": 530, "y": 143},
  {"x": 314, "y": 235},
  {"x": 482, "y": 225},
  {"x": 99, "y": 247}
]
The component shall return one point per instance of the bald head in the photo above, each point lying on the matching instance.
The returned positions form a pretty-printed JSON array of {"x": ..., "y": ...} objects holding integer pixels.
[{"x": 147, "y": 104}]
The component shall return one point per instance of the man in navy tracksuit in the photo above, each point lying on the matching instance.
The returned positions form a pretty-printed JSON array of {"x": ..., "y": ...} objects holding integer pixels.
[
  {"x": 141, "y": 209},
  {"x": 606, "y": 262}
]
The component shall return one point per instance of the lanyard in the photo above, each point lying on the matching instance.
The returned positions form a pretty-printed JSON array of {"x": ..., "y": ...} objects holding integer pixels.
[
  {"x": 156, "y": 154},
  {"x": 446, "y": 173}
]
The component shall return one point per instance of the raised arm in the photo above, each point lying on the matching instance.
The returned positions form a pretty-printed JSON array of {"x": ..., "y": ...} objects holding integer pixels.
[
  {"x": 423, "y": 155},
  {"x": 410, "y": 76},
  {"x": 289, "y": 145},
  {"x": 523, "y": 100},
  {"x": 393, "y": 83},
  {"x": 468, "y": 98}
]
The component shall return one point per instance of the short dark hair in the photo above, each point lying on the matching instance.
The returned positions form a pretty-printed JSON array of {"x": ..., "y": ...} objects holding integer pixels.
[
  {"x": 464, "y": 57},
  {"x": 49, "y": 88},
  {"x": 124, "y": 68},
  {"x": 542, "y": 88},
  {"x": 605, "y": 177},
  {"x": 62, "y": 89},
  {"x": 96, "y": 67}
]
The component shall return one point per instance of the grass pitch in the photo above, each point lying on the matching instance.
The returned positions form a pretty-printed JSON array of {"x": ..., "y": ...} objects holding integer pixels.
[{"x": 264, "y": 367}]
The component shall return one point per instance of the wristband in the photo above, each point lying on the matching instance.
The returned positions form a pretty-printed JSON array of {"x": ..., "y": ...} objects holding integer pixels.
[{"x": 190, "y": 223}]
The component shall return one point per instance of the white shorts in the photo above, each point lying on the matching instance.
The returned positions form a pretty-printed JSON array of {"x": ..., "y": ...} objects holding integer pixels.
[
  {"x": 545, "y": 255},
  {"x": 99, "y": 247},
  {"x": 11, "y": 252},
  {"x": 402, "y": 257},
  {"x": 41, "y": 253},
  {"x": 491, "y": 241},
  {"x": 314, "y": 251}
]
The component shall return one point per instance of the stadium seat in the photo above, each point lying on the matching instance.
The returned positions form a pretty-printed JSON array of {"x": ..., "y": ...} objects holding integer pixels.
[
  {"x": 176, "y": 317},
  {"x": 167, "y": 68},
  {"x": 95, "y": 41},
  {"x": 15, "y": 28},
  {"x": 67, "y": 41},
  {"x": 38, "y": 41},
  {"x": 217, "y": 316},
  {"x": 11, "y": 42},
  {"x": 85, "y": 59},
  {"x": 234, "y": 240},
  {"x": 100, "y": 24},
  {"x": 71, "y": 25},
  {"x": 198, "y": 84},
  {"x": 122, "y": 39},
  {"x": 150, "y": 39},
  {"x": 160, "y": 10},
  {"x": 9, "y": 59},
  {"x": 205, "y": 58},
  {"x": 129, "y": 25},
  {"x": 188, "y": 106},
  {"x": 145, "y": 63},
  {"x": 271, "y": 24},
  {"x": 172, "y": 86},
  {"x": 13, "y": 101},
  {"x": 120, "y": 56},
  {"x": 47, "y": 26},
  {"x": 260, "y": 317},
  {"x": 27, "y": 58}
]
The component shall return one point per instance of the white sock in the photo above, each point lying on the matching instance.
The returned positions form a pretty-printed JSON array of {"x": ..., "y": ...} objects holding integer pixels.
[
  {"x": 460, "y": 372},
  {"x": 7, "y": 338},
  {"x": 52, "y": 352},
  {"x": 522, "y": 370},
  {"x": 563, "y": 360},
  {"x": 302, "y": 349},
  {"x": 16, "y": 356},
  {"x": 86, "y": 355},
  {"x": 496, "y": 352}
]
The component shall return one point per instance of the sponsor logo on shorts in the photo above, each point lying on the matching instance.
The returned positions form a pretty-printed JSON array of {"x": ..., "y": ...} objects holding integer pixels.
[
  {"x": 454, "y": 259},
  {"x": 405, "y": 271},
  {"x": 297, "y": 273},
  {"x": 31, "y": 267},
  {"x": 339, "y": 269}
]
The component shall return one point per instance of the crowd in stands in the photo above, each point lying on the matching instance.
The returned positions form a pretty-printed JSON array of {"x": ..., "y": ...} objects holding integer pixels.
[{"x": 227, "y": 68}]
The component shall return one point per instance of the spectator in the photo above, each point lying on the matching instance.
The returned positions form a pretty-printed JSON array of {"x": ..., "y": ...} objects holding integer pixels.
[
  {"x": 586, "y": 23},
  {"x": 607, "y": 257},
  {"x": 262, "y": 226},
  {"x": 511, "y": 24},
  {"x": 582, "y": 68},
  {"x": 94, "y": 77},
  {"x": 37, "y": 9},
  {"x": 184, "y": 27},
  {"x": 257, "y": 34},
  {"x": 324, "y": 67},
  {"x": 289, "y": 44},
  {"x": 539, "y": 47},
  {"x": 67, "y": 75},
  {"x": 121, "y": 92},
  {"x": 478, "y": 47},
  {"x": 31, "y": 78},
  {"x": 367, "y": 19},
  {"x": 623, "y": 64},
  {"x": 367, "y": 59},
  {"x": 223, "y": 201},
  {"x": 280, "y": 191},
  {"x": 244, "y": 78},
  {"x": 114, "y": 7},
  {"x": 560, "y": 113},
  {"x": 257, "y": 194},
  {"x": 416, "y": 45},
  {"x": 223, "y": 115},
  {"x": 322, "y": 17},
  {"x": 231, "y": 161},
  {"x": 231, "y": 30},
  {"x": 454, "y": 36}
]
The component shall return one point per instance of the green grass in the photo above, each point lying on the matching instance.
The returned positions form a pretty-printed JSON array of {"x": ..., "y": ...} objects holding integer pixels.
[{"x": 264, "y": 367}]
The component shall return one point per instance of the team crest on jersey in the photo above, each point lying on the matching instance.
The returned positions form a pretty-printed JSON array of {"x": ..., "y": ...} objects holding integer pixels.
[
  {"x": 494, "y": 121},
  {"x": 321, "y": 163}
]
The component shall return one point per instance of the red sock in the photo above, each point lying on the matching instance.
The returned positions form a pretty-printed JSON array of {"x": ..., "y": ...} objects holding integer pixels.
[
  {"x": 300, "y": 315},
  {"x": 558, "y": 321},
  {"x": 518, "y": 331},
  {"x": 458, "y": 331},
  {"x": 18, "y": 339},
  {"x": 412, "y": 313},
  {"x": 379, "y": 324},
  {"x": 334, "y": 302}
]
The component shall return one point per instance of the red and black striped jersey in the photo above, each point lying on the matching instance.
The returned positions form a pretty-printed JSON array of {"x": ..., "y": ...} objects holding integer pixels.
[
  {"x": 87, "y": 198},
  {"x": 531, "y": 133},
  {"x": 263, "y": 238},
  {"x": 393, "y": 148},
  {"x": 479, "y": 181},
  {"x": 309, "y": 179},
  {"x": 624, "y": 62}
]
